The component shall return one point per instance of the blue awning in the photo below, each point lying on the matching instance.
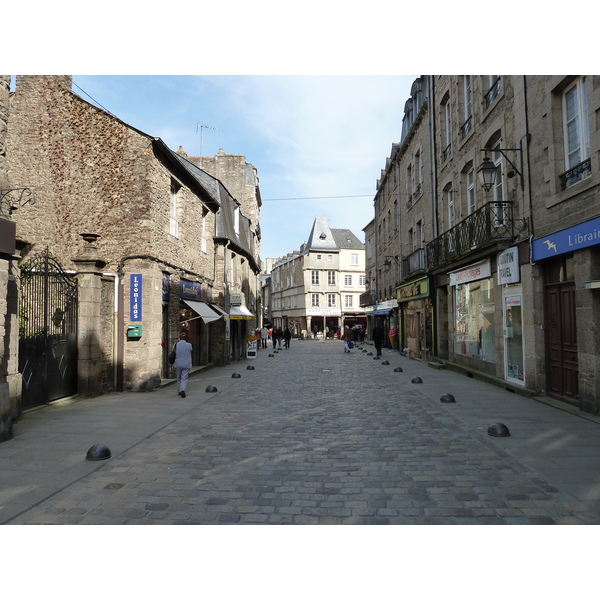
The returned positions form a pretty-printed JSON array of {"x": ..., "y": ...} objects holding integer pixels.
[{"x": 382, "y": 311}]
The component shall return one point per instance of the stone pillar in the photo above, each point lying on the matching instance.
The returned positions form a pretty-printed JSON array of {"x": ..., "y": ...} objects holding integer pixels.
[{"x": 89, "y": 362}]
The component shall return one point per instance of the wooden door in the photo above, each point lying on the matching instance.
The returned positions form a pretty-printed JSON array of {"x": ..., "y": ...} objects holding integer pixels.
[{"x": 561, "y": 343}]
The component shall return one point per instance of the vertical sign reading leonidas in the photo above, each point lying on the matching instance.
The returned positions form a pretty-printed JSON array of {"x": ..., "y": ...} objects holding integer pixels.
[{"x": 135, "y": 298}]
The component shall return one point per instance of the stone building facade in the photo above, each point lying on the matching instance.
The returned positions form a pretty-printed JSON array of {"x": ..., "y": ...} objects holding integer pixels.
[
  {"x": 508, "y": 269},
  {"x": 154, "y": 216},
  {"x": 237, "y": 243},
  {"x": 318, "y": 288}
]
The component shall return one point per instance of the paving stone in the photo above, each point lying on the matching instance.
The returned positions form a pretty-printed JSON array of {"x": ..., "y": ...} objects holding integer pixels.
[{"x": 332, "y": 449}]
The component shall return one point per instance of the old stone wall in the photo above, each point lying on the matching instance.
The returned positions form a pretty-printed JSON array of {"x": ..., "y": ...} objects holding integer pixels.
[
  {"x": 7, "y": 320},
  {"x": 92, "y": 173}
]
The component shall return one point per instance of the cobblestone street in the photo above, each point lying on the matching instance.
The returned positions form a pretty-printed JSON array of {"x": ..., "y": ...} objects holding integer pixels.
[{"x": 312, "y": 436}]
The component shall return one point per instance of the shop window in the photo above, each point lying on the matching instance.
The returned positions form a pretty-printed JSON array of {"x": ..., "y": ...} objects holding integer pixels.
[{"x": 474, "y": 334}]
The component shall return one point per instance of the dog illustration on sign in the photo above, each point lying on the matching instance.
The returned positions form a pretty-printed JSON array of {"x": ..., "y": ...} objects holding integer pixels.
[{"x": 551, "y": 245}]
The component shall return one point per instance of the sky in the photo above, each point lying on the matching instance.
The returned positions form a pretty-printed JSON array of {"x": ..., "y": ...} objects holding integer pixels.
[{"x": 318, "y": 142}]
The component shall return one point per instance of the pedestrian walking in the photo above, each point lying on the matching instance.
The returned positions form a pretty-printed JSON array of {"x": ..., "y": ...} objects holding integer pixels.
[
  {"x": 378, "y": 337},
  {"x": 287, "y": 336},
  {"x": 183, "y": 362},
  {"x": 278, "y": 337},
  {"x": 347, "y": 337},
  {"x": 264, "y": 336}
]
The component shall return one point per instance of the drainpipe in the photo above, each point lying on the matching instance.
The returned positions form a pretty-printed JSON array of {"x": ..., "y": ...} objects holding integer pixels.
[
  {"x": 432, "y": 158},
  {"x": 527, "y": 138}
]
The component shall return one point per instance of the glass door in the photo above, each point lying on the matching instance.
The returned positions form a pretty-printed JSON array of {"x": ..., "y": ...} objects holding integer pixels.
[{"x": 514, "y": 364}]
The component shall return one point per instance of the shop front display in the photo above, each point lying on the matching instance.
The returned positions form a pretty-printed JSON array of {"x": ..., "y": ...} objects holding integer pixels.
[{"x": 474, "y": 311}]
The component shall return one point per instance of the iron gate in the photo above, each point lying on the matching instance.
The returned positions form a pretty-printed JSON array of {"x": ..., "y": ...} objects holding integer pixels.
[{"x": 47, "y": 331}]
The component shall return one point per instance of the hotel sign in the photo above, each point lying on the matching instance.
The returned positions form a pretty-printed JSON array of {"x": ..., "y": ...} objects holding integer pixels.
[
  {"x": 567, "y": 240},
  {"x": 508, "y": 266}
]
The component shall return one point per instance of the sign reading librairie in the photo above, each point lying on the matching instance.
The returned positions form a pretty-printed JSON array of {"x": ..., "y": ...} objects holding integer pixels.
[{"x": 135, "y": 297}]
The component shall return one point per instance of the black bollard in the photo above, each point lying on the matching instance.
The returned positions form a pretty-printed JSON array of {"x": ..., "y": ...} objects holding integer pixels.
[
  {"x": 98, "y": 452},
  {"x": 498, "y": 430},
  {"x": 211, "y": 388}
]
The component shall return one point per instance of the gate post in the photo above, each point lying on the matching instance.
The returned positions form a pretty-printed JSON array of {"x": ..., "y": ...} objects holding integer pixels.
[{"x": 89, "y": 320}]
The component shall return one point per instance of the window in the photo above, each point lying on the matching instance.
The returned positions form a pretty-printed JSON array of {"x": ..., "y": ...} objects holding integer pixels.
[
  {"x": 450, "y": 209},
  {"x": 348, "y": 280},
  {"x": 474, "y": 320},
  {"x": 314, "y": 277},
  {"x": 470, "y": 191},
  {"x": 467, "y": 107},
  {"x": 314, "y": 300},
  {"x": 362, "y": 280},
  {"x": 331, "y": 300},
  {"x": 447, "y": 129},
  {"x": 494, "y": 89},
  {"x": 319, "y": 257},
  {"x": 576, "y": 132},
  {"x": 498, "y": 189},
  {"x": 450, "y": 204},
  {"x": 173, "y": 222},
  {"x": 331, "y": 277},
  {"x": 203, "y": 235},
  {"x": 418, "y": 186},
  {"x": 330, "y": 258},
  {"x": 236, "y": 219},
  {"x": 348, "y": 301},
  {"x": 354, "y": 259}
]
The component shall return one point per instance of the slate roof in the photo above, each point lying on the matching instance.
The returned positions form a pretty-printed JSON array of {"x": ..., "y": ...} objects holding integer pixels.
[
  {"x": 323, "y": 238},
  {"x": 346, "y": 240}
]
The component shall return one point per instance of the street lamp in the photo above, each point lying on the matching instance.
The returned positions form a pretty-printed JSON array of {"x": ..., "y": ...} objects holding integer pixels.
[
  {"x": 387, "y": 263},
  {"x": 487, "y": 174},
  {"x": 487, "y": 169}
]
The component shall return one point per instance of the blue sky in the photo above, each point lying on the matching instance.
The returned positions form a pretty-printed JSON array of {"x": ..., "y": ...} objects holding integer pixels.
[{"x": 318, "y": 142}]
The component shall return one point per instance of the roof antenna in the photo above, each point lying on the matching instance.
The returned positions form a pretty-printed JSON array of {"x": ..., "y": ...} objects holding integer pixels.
[{"x": 201, "y": 127}]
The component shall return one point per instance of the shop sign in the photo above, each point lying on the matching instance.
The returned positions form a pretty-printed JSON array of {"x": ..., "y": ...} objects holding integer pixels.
[
  {"x": 414, "y": 290},
  {"x": 386, "y": 305},
  {"x": 567, "y": 240},
  {"x": 323, "y": 312},
  {"x": 135, "y": 297},
  {"x": 513, "y": 301},
  {"x": 166, "y": 287},
  {"x": 480, "y": 270},
  {"x": 235, "y": 300},
  {"x": 190, "y": 290},
  {"x": 508, "y": 266}
]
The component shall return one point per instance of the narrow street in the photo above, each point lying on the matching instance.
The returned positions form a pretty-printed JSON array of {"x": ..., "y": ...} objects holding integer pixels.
[{"x": 313, "y": 436}]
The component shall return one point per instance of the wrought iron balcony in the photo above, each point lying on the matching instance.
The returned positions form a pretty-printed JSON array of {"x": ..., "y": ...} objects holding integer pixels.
[
  {"x": 489, "y": 224},
  {"x": 414, "y": 263},
  {"x": 367, "y": 298},
  {"x": 492, "y": 93},
  {"x": 576, "y": 174},
  {"x": 466, "y": 127}
]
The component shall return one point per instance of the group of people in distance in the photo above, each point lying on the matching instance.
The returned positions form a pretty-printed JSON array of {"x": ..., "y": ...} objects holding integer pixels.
[{"x": 277, "y": 336}]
